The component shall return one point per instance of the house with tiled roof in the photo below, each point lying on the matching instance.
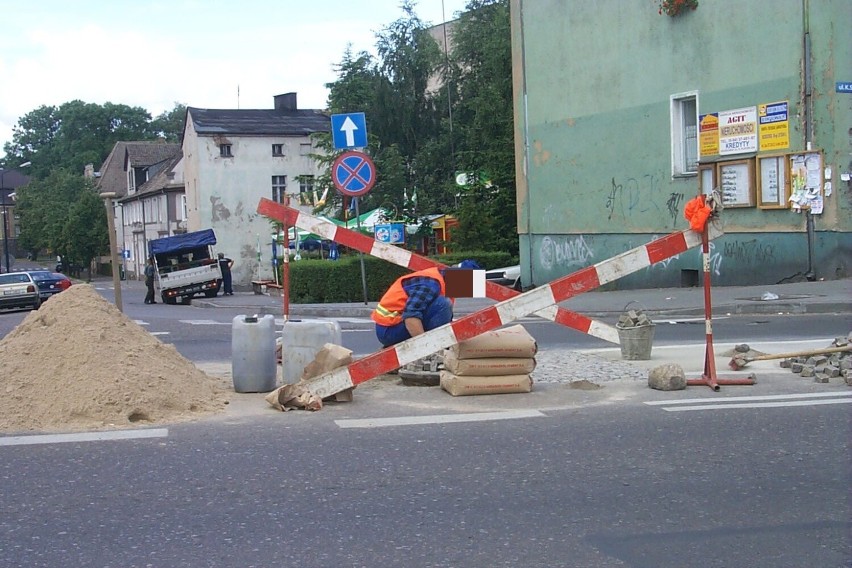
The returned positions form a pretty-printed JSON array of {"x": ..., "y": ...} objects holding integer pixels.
[
  {"x": 147, "y": 179},
  {"x": 234, "y": 157}
]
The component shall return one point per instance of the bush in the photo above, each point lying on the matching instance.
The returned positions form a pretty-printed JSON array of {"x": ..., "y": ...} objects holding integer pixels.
[{"x": 339, "y": 281}]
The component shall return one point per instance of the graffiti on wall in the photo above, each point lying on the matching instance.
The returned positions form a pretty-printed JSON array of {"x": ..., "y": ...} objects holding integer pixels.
[
  {"x": 562, "y": 252},
  {"x": 633, "y": 195},
  {"x": 751, "y": 253},
  {"x": 673, "y": 205}
]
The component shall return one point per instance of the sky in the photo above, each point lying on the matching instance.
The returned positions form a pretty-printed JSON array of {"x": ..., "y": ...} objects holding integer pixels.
[{"x": 202, "y": 53}]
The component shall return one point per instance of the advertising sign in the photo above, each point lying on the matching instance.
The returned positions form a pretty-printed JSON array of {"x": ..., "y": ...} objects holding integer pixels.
[
  {"x": 708, "y": 134},
  {"x": 738, "y": 131},
  {"x": 774, "y": 128},
  {"x": 390, "y": 233}
]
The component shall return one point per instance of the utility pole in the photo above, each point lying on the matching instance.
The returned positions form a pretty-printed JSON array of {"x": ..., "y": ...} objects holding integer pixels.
[{"x": 116, "y": 280}]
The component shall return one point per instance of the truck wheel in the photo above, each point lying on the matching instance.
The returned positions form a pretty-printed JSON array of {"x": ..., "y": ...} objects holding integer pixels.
[
  {"x": 186, "y": 300},
  {"x": 211, "y": 293},
  {"x": 170, "y": 301}
]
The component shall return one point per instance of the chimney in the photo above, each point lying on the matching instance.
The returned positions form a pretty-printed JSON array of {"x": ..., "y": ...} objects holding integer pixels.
[
  {"x": 89, "y": 171},
  {"x": 285, "y": 102}
]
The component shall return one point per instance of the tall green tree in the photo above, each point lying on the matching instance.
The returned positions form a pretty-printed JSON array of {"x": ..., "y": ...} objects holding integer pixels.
[
  {"x": 480, "y": 76},
  {"x": 63, "y": 214},
  {"x": 169, "y": 124},
  {"x": 75, "y": 134}
]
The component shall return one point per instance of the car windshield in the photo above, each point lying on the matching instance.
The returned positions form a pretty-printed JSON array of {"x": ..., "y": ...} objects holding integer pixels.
[{"x": 13, "y": 278}]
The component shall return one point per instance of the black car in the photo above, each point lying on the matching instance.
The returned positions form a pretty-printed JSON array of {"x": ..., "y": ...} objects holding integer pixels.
[{"x": 49, "y": 283}]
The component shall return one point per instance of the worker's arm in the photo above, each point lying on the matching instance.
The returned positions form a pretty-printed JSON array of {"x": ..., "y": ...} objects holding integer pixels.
[{"x": 414, "y": 326}]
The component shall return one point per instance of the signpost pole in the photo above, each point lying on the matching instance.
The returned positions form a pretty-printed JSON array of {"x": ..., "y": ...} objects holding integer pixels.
[{"x": 361, "y": 254}]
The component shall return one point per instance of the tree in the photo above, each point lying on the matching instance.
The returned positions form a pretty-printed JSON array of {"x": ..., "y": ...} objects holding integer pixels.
[
  {"x": 62, "y": 213},
  {"x": 75, "y": 134},
  {"x": 169, "y": 124},
  {"x": 480, "y": 73}
]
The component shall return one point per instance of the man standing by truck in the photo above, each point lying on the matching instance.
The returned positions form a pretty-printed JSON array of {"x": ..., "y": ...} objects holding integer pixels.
[
  {"x": 150, "y": 271},
  {"x": 225, "y": 265}
]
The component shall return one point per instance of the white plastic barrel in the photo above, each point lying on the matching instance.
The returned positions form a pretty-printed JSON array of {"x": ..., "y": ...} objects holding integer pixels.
[
  {"x": 301, "y": 340},
  {"x": 253, "y": 364}
]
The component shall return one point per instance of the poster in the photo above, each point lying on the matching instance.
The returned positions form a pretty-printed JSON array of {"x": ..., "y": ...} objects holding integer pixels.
[
  {"x": 774, "y": 127},
  {"x": 708, "y": 137},
  {"x": 806, "y": 182},
  {"x": 738, "y": 131}
]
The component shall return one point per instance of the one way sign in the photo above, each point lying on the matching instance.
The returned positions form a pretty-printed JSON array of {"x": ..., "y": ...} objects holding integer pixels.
[{"x": 349, "y": 130}]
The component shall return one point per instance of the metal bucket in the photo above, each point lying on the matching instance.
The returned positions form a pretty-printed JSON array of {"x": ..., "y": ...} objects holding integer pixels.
[{"x": 636, "y": 341}]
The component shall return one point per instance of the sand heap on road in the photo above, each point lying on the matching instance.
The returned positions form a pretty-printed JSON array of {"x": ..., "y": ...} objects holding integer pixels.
[{"x": 80, "y": 364}]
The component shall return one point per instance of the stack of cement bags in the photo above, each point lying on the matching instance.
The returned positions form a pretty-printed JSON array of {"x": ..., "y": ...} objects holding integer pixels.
[{"x": 495, "y": 362}]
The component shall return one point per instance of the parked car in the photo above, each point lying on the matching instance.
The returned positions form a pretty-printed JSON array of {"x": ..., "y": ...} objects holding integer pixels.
[
  {"x": 49, "y": 283},
  {"x": 507, "y": 276},
  {"x": 19, "y": 290}
]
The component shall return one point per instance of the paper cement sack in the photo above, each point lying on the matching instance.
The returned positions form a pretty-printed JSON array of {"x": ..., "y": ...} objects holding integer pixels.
[
  {"x": 511, "y": 341},
  {"x": 493, "y": 366},
  {"x": 329, "y": 357},
  {"x": 465, "y": 386}
]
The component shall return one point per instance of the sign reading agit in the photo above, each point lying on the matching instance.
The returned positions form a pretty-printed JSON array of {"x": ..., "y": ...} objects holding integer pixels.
[{"x": 738, "y": 131}]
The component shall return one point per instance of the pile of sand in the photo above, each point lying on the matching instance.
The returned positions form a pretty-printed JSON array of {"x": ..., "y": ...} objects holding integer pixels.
[{"x": 79, "y": 364}]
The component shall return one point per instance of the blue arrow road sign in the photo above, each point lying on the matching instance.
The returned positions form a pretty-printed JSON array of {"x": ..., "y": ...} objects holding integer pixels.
[
  {"x": 353, "y": 173},
  {"x": 349, "y": 130}
]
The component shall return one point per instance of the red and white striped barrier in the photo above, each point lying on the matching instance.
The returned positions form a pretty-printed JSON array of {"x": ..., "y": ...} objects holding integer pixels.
[
  {"x": 401, "y": 257},
  {"x": 499, "y": 314}
]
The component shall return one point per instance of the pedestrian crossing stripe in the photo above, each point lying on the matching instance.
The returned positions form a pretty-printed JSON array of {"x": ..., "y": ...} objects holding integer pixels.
[{"x": 766, "y": 401}]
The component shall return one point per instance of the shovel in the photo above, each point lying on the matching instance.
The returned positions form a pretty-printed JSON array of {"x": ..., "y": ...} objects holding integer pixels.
[{"x": 741, "y": 360}]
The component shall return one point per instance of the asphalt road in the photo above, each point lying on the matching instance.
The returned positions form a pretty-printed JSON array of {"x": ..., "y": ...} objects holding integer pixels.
[{"x": 400, "y": 477}]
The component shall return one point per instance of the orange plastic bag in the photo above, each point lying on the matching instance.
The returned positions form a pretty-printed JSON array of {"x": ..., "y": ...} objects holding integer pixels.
[{"x": 697, "y": 212}]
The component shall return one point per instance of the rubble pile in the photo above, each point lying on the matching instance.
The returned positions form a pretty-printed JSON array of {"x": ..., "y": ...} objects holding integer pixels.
[
  {"x": 825, "y": 367},
  {"x": 495, "y": 362}
]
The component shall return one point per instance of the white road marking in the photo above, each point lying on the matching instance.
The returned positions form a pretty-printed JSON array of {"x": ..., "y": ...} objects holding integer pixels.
[
  {"x": 751, "y": 398},
  {"x": 83, "y": 437},
  {"x": 141, "y": 322},
  {"x": 757, "y": 405},
  {"x": 767, "y": 401},
  {"x": 205, "y": 322},
  {"x": 159, "y": 333},
  {"x": 438, "y": 419}
]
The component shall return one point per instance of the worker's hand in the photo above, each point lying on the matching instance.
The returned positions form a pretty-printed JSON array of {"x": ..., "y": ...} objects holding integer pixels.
[{"x": 414, "y": 326}]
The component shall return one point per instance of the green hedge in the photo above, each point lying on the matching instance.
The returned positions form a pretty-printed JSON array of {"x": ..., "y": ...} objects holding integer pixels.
[{"x": 339, "y": 281}]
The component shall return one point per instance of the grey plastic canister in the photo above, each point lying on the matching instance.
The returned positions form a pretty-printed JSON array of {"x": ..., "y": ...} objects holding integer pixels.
[
  {"x": 301, "y": 341},
  {"x": 253, "y": 364}
]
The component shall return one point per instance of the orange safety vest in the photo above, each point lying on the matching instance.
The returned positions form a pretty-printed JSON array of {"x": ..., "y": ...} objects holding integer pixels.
[{"x": 389, "y": 310}]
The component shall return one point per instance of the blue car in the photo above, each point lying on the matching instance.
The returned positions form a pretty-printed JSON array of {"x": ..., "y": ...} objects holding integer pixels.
[{"x": 49, "y": 283}]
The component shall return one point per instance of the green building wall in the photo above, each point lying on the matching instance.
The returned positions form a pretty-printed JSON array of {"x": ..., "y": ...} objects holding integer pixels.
[{"x": 593, "y": 83}]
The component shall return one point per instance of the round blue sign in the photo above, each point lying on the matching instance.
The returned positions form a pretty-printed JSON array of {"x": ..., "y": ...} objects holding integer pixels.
[{"x": 353, "y": 173}]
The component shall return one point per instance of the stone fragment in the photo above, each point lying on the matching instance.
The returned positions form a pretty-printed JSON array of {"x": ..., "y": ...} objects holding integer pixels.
[
  {"x": 797, "y": 367},
  {"x": 667, "y": 377},
  {"x": 849, "y": 379},
  {"x": 742, "y": 348},
  {"x": 786, "y": 363},
  {"x": 820, "y": 378},
  {"x": 845, "y": 363},
  {"x": 832, "y": 371},
  {"x": 807, "y": 371}
]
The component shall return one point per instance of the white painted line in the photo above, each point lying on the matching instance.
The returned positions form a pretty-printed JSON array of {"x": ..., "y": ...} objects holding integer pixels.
[
  {"x": 141, "y": 322},
  {"x": 758, "y": 405},
  {"x": 438, "y": 419},
  {"x": 159, "y": 333},
  {"x": 204, "y": 322},
  {"x": 750, "y": 398},
  {"x": 83, "y": 437}
]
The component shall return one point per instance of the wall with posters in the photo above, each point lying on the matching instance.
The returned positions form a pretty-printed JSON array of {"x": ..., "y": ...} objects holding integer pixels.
[{"x": 602, "y": 115}]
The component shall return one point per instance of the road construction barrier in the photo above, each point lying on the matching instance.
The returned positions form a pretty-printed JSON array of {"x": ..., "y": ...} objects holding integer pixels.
[
  {"x": 401, "y": 257},
  {"x": 491, "y": 317}
]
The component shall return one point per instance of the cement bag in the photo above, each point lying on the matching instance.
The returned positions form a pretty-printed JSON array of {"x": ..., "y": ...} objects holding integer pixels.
[
  {"x": 511, "y": 341},
  {"x": 465, "y": 386},
  {"x": 490, "y": 366},
  {"x": 328, "y": 358}
]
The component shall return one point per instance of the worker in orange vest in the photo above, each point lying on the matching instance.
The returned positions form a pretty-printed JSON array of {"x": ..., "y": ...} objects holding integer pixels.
[{"x": 414, "y": 304}]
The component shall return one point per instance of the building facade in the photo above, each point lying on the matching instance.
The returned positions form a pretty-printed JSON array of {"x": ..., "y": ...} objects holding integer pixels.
[
  {"x": 233, "y": 158},
  {"x": 633, "y": 112}
]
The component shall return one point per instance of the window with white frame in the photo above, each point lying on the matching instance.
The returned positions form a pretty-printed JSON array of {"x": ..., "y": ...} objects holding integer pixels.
[
  {"x": 684, "y": 117},
  {"x": 279, "y": 187},
  {"x": 182, "y": 208}
]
